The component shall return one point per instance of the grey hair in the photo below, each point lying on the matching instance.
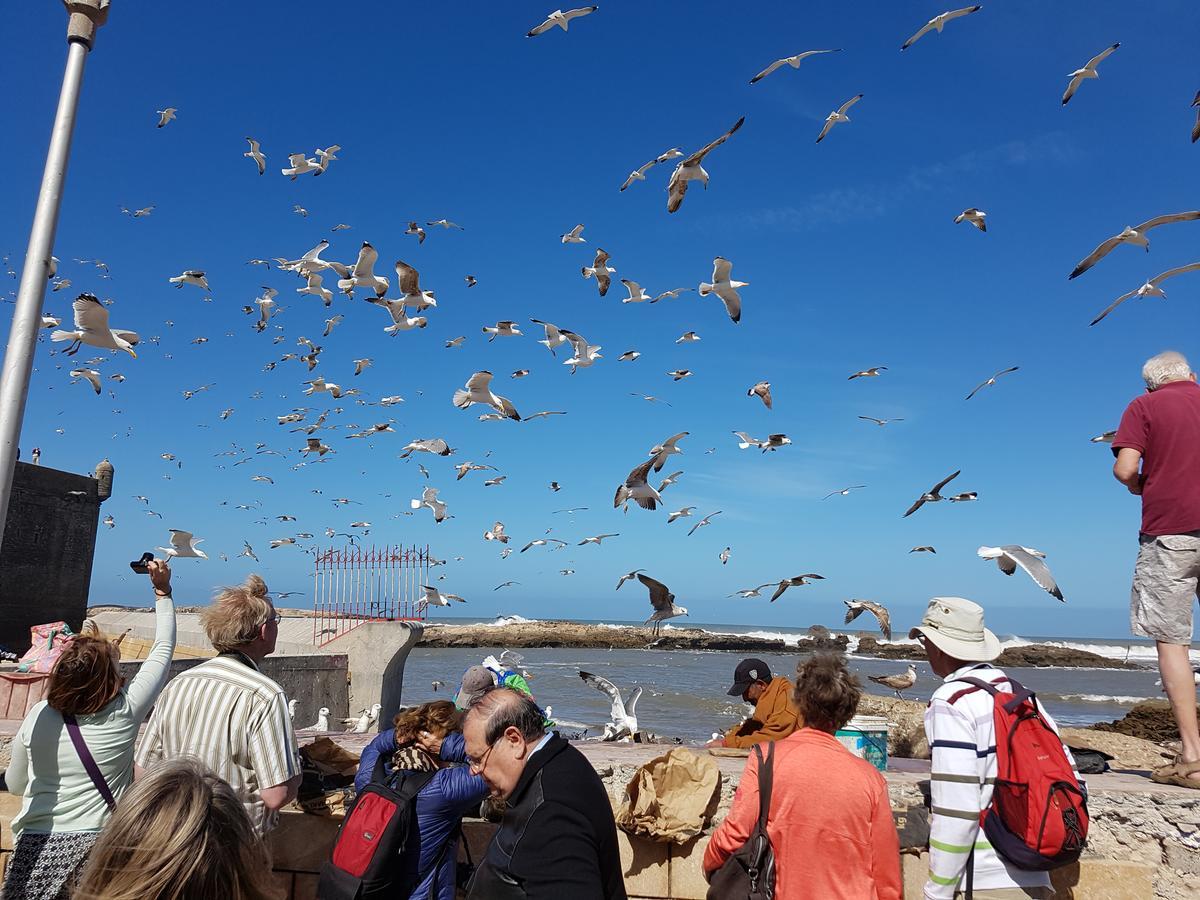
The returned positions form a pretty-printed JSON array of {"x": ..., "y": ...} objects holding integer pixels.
[
  {"x": 1166, "y": 367},
  {"x": 504, "y": 708}
]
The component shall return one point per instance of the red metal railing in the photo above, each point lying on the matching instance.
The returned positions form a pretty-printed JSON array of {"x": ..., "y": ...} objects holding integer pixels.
[{"x": 367, "y": 584}]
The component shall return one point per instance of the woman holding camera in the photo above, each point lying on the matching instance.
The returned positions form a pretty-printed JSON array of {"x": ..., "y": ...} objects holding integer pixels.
[{"x": 72, "y": 757}]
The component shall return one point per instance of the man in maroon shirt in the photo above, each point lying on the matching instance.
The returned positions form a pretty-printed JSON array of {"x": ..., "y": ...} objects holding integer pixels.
[{"x": 1158, "y": 457}]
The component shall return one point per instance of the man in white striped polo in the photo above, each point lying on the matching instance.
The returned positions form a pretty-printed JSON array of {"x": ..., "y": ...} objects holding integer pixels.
[
  {"x": 228, "y": 714},
  {"x": 962, "y": 740}
]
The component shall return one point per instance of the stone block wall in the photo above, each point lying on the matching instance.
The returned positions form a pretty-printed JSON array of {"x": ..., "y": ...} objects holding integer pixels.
[{"x": 46, "y": 554}]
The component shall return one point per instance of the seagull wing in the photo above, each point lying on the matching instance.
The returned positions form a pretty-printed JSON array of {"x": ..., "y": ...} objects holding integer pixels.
[
  {"x": 733, "y": 302},
  {"x": 1072, "y": 87},
  {"x": 408, "y": 278},
  {"x": 829, "y": 122},
  {"x": 632, "y": 702},
  {"x": 1096, "y": 255},
  {"x": 1166, "y": 220},
  {"x": 1101, "y": 56},
  {"x": 181, "y": 540},
  {"x": 1171, "y": 273},
  {"x": 722, "y": 269},
  {"x": 1035, "y": 568},
  {"x": 660, "y": 596},
  {"x": 925, "y": 29},
  {"x": 768, "y": 70},
  {"x": 676, "y": 189},
  {"x": 882, "y": 616},
  {"x": 853, "y": 610},
  {"x": 1112, "y": 306},
  {"x": 945, "y": 481},
  {"x": 699, "y": 155},
  {"x": 779, "y": 589},
  {"x": 480, "y": 381},
  {"x": 849, "y": 103},
  {"x": 610, "y": 690},
  {"x": 90, "y": 314},
  {"x": 365, "y": 264}
]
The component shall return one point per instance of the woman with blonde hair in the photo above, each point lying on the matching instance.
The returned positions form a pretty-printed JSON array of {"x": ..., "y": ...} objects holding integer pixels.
[
  {"x": 181, "y": 833},
  {"x": 72, "y": 757},
  {"x": 428, "y": 739}
]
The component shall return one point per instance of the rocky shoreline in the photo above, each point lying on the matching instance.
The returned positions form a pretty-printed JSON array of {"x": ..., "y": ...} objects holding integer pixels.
[{"x": 525, "y": 635}]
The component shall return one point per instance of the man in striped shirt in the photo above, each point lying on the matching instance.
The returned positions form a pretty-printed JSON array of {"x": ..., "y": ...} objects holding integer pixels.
[
  {"x": 962, "y": 740},
  {"x": 228, "y": 714}
]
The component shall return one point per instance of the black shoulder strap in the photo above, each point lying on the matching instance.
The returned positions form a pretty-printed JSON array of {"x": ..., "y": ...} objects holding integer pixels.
[{"x": 766, "y": 779}]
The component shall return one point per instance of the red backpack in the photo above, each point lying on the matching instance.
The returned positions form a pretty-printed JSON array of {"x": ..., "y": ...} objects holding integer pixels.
[{"x": 1038, "y": 816}]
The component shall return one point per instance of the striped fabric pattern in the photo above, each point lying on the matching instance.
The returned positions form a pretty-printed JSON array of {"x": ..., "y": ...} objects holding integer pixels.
[
  {"x": 232, "y": 718},
  {"x": 962, "y": 740}
]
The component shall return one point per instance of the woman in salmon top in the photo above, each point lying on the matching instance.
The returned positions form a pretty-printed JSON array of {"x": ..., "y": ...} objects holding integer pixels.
[{"x": 830, "y": 821}]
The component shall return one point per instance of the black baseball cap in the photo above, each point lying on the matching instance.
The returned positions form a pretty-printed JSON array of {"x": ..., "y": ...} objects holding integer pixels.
[{"x": 747, "y": 672}]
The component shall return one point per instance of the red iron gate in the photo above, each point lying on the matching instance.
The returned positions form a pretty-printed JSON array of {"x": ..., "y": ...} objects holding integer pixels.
[{"x": 367, "y": 584}]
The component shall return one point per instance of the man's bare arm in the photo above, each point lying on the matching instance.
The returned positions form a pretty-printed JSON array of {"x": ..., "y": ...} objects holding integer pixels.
[{"x": 1126, "y": 469}]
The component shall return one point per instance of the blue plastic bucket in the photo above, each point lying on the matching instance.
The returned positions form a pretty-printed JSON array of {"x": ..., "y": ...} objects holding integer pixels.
[{"x": 867, "y": 738}]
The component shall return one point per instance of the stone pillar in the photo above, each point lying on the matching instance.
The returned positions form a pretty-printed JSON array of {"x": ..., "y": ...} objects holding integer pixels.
[
  {"x": 377, "y": 652},
  {"x": 104, "y": 479}
]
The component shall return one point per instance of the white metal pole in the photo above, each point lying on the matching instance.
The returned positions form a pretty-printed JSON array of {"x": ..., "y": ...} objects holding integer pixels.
[{"x": 85, "y": 17}]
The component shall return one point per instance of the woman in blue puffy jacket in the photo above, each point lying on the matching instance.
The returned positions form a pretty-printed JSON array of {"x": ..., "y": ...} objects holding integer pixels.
[{"x": 427, "y": 738}]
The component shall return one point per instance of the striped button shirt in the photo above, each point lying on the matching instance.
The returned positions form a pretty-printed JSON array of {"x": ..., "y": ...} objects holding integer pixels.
[
  {"x": 962, "y": 740},
  {"x": 235, "y": 720}
]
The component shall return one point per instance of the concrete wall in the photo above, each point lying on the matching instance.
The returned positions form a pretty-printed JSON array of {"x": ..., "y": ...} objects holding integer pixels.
[
  {"x": 315, "y": 681},
  {"x": 46, "y": 555}
]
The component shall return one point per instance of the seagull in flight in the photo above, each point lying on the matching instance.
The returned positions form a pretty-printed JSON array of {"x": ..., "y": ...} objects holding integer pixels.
[
  {"x": 601, "y": 270},
  {"x": 880, "y": 422},
  {"x": 91, "y": 328},
  {"x": 166, "y": 115},
  {"x": 479, "y": 390},
  {"x": 596, "y": 539},
  {"x": 506, "y": 584},
  {"x": 636, "y": 488},
  {"x": 938, "y": 22},
  {"x": 256, "y": 154},
  {"x": 429, "y": 500},
  {"x": 1088, "y": 71},
  {"x": 794, "y": 581},
  {"x": 976, "y": 217},
  {"x": 872, "y": 372},
  {"x": 628, "y": 576},
  {"x": 191, "y": 276},
  {"x": 623, "y": 723},
  {"x": 844, "y": 492},
  {"x": 184, "y": 546},
  {"x": 1151, "y": 288},
  {"x": 725, "y": 288},
  {"x": 637, "y": 293},
  {"x": 663, "y": 602},
  {"x": 363, "y": 273},
  {"x": 762, "y": 391},
  {"x": 692, "y": 169},
  {"x": 923, "y": 549},
  {"x": 561, "y": 19},
  {"x": 433, "y": 597},
  {"x": 838, "y": 115},
  {"x": 299, "y": 164},
  {"x": 554, "y": 336},
  {"x": 855, "y": 608},
  {"x": 680, "y": 513},
  {"x": 1130, "y": 234},
  {"x": 660, "y": 453},
  {"x": 542, "y": 542},
  {"x": 932, "y": 495},
  {"x": 991, "y": 381},
  {"x": 574, "y": 236},
  {"x": 793, "y": 61},
  {"x": 707, "y": 520},
  {"x": 1009, "y": 556},
  {"x": 1105, "y": 437}
]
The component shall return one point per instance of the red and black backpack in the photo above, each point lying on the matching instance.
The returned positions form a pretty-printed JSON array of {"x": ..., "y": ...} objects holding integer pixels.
[
  {"x": 1038, "y": 816},
  {"x": 379, "y": 831}
]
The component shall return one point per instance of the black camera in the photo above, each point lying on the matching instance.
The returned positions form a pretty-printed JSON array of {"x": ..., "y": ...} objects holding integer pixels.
[{"x": 140, "y": 565}]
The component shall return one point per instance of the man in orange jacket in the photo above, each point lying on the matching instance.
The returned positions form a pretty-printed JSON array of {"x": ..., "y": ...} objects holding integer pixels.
[{"x": 774, "y": 716}]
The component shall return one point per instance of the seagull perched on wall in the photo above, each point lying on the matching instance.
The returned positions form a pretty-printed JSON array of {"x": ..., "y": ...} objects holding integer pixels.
[
  {"x": 362, "y": 723},
  {"x": 91, "y": 328},
  {"x": 183, "y": 546},
  {"x": 622, "y": 724},
  {"x": 322, "y": 723},
  {"x": 1009, "y": 556},
  {"x": 663, "y": 602}
]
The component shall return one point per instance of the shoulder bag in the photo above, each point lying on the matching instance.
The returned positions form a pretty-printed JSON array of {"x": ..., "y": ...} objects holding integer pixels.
[{"x": 750, "y": 872}]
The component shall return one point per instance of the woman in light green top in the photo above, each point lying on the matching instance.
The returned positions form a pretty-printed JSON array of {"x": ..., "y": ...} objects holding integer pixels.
[{"x": 63, "y": 808}]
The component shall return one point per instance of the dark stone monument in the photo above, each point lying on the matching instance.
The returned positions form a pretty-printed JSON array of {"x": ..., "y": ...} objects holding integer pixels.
[{"x": 46, "y": 554}]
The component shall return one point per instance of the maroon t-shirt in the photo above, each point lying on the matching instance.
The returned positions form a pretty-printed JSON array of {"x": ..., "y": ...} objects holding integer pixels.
[{"x": 1164, "y": 426}]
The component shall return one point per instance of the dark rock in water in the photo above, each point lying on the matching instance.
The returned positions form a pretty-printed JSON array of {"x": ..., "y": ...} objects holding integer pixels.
[
  {"x": 1032, "y": 656},
  {"x": 1151, "y": 720},
  {"x": 818, "y": 631}
]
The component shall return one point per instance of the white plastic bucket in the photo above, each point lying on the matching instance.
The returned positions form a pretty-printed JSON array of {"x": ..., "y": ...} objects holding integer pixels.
[{"x": 867, "y": 738}]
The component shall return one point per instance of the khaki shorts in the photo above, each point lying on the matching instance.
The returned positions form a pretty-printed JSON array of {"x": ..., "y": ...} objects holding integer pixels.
[{"x": 1165, "y": 581}]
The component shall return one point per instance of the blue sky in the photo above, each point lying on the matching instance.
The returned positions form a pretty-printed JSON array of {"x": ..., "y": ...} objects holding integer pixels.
[{"x": 849, "y": 247}]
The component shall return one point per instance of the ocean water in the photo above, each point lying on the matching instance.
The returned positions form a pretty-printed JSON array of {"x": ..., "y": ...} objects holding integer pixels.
[{"x": 684, "y": 691}]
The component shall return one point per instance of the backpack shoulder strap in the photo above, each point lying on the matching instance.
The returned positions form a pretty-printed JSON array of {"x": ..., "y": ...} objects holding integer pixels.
[
  {"x": 766, "y": 780},
  {"x": 978, "y": 684},
  {"x": 89, "y": 762},
  {"x": 410, "y": 783}
]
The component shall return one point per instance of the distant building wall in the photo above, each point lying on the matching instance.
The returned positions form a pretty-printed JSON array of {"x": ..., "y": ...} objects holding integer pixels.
[{"x": 46, "y": 555}]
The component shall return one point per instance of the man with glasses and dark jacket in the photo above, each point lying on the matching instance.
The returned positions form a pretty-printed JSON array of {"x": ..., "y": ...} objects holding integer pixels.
[{"x": 558, "y": 838}]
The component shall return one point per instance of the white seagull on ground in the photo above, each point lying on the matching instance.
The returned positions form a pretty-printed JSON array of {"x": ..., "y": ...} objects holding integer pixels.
[{"x": 622, "y": 724}]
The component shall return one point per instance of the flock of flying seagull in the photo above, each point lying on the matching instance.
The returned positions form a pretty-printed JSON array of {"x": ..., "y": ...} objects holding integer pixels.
[{"x": 411, "y": 309}]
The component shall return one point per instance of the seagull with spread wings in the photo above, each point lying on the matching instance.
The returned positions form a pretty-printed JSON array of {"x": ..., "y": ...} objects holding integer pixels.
[
  {"x": 601, "y": 270},
  {"x": 255, "y": 153},
  {"x": 184, "y": 546},
  {"x": 574, "y": 236},
  {"x": 976, "y": 217},
  {"x": 1009, "y": 556},
  {"x": 623, "y": 723},
  {"x": 1130, "y": 234},
  {"x": 932, "y": 495},
  {"x": 363, "y": 273},
  {"x": 91, "y": 328},
  {"x": 837, "y": 116},
  {"x": 636, "y": 488},
  {"x": 794, "y": 581},
  {"x": 707, "y": 520},
  {"x": 692, "y": 169},
  {"x": 585, "y": 354},
  {"x": 879, "y": 422},
  {"x": 938, "y": 22},
  {"x": 725, "y": 288},
  {"x": 990, "y": 381},
  {"x": 479, "y": 390},
  {"x": 793, "y": 61},
  {"x": 1151, "y": 288},
  {"x": 1088, "y": 71},
  {"x": 762, "y": 391},
  {"x": 663, "y": 602},
  {"x": 166, "y": 115},
  {"x": 431, "y": 596},
  {"x": 554, "y": 336},
  {"x": 299, "y": 164},
  {"x": 855, "y": 608},
  {"x": 92, "y": 376},
  {"x": 872, "y": 372},
  {"x": 844, "y": 492},
  {"x": 429, "y": 500},
  {"x": 561, "y": 19}
]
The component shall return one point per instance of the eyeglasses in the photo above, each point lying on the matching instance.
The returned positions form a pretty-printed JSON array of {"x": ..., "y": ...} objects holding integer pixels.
[
  {"x": 276, "y": 618},
  {"x": 475, "y": 767}
]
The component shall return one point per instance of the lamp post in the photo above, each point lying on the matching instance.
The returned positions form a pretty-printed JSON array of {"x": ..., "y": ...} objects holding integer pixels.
[{"x": 85, "y": 16}]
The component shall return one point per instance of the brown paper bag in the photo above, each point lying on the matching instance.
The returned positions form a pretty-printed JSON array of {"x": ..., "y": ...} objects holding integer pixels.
[{"x": 672, "y": 798}]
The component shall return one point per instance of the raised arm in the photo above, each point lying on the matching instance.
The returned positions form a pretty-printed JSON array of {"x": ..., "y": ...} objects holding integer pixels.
[{"x": 152, "y": 676}]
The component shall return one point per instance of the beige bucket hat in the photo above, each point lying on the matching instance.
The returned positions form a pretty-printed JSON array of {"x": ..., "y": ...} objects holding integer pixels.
[{"x": 955, "y": 626}]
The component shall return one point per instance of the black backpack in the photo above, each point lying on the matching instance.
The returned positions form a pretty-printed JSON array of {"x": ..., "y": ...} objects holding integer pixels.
[
  {"x": 749, "y": 874},
  {"x": 372, "y": 844}
]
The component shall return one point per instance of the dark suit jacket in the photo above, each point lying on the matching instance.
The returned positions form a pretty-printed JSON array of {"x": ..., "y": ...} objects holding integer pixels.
[{"x": 558, "y": 838}]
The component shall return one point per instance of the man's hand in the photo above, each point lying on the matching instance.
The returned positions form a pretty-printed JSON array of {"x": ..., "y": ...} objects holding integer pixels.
[{"x": 160, "y": 576}]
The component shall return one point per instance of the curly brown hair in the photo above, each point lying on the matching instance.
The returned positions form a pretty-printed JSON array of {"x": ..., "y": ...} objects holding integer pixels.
[
  {"x": 439, "y": 718},
  {"x": 86, "y": 676},
  {"x": 827, "y": 692}
]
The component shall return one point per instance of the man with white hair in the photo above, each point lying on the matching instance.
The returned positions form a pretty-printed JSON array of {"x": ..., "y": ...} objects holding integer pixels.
[{"x": 1158, "y": 457}]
